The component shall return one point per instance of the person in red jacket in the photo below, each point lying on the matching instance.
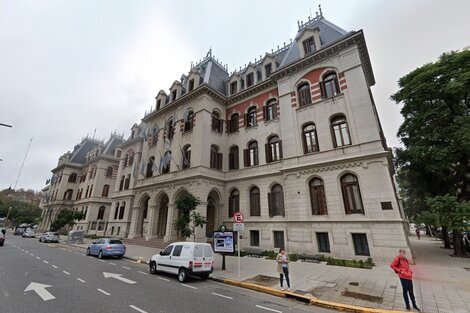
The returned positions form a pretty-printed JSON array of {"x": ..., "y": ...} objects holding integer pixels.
[{"x": 401, "y": 266}]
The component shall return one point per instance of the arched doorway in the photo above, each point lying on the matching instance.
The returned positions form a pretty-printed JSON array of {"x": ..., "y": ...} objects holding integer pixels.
[
  {"x": 213, "y": 202},
  {"x": 162, "y": 216},
  {"x": 142, "y": 214}
]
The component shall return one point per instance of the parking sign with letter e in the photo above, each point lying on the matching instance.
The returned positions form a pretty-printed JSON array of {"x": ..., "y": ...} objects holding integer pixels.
[{"x": 238, "y": 217}]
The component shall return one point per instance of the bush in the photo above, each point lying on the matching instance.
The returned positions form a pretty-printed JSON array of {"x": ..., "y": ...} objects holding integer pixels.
[
  {"x": 294, "y": 257},
  {"x": 94, "y": 236},
  {"x": 368, "y": 264},
  {"x": 270, "y": 255}
]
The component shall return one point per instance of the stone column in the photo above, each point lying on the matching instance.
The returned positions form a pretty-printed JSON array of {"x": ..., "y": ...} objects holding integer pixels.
[
  {"x": 200, "y": 232},
  {"x": 152, "y": 222},
  {"x": 134, "y": 221},
  {"x": 170, "y": 234}
]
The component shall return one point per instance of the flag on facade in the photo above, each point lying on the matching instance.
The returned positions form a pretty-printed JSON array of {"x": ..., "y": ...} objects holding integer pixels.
[
  {"x": 134, "y": 169},
  {"x": 142, "y": 168}
]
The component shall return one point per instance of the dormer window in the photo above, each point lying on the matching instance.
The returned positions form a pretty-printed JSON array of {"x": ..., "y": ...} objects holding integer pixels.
[
  {"x": 191, "y": 85},
  {"x": 268, "y": 68},
  {"x": 173, "y": 95},
  {"x": 159, "y": 104},
  {"x": 309, "y": 45},
  {"x": 233, "y": 88},
  {"x": 250, "y": 80}
]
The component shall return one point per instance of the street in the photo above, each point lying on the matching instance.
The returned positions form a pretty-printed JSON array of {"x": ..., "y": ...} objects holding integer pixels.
[{"x": 45, "y": 278}]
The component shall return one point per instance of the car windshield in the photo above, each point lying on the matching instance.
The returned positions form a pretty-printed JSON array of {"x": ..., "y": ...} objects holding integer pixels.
[
  {"x": 207, "y": 251},
  {"x": 115, "y": 242},
  {"x": 55, "y": 234}
]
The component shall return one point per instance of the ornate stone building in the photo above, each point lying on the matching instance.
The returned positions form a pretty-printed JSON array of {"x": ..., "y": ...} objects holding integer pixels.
[{"x": 292, "y": 140}]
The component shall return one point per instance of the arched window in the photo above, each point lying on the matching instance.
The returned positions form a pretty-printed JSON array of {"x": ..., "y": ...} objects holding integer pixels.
[
  {"x": 188, "y": 120},
  {"x": 250, "y": 117},
  {"x": 317, "y": 197},
  {"x": 216, "y": 122},
  {"x": 216, "y": 158},
  {"x": 276, "y": 201},
  {"x": 121, "y": 183},
  {"x": 150, "y": 165},
  {"x": 68, "y": 194},
  {"x": 270, "y": 110},
  {"x": 105, "y": 191},
  {"x": 330, "y": 86},
  {"x": 127, "y": 182},
  {"x": 116, "y": 211},
  {"x": 109, "y": 171},
  {"x": 232, "y": 125},
  {"x": 101, "y": 213},
  {"x": 233, "y": 202},
  {"x": 304, "y": 95},
  {"x": 131, "y": 158},
  {"x": 73, "y": 178},
  {"x": 166, "y": 162},
  {"x": 153, "y": 136},
  {"x": 186, "y": 156},
  {"x": 126, "y": 159},
  {"x": 170, "y": 129},
  {"x": 309, "y": 138},
  {"x": 122, "y": 210},
  {"x": 233, "y": 158},
  {"x": 273, "y": 149},
  {"x": 251, "y": 154},
  {"x": 255, "y": 205},
  {"x": 340, "y": 130},
  {"x": 351, "y": 194}
]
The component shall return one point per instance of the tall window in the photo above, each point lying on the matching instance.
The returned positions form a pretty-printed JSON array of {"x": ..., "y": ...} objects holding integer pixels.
[
  {"x": 170, "y": 129},
  {"x": 127, "y": 182},
  {"x": 233, "y": 202},
  {"x": 317, "y": 197},
  {"x": 339, "y": 127},
  {"x": 167, "y": 163},
  {"x": 73, "y": 178},
  {"x": 159, "y": 104},
  {"x": 255, "y": 205},
  {"x": 250, "y": 80},
  {"x": 150, "y": 164},
  {"x": 330, "y": 86},
  {"x": 216, "y": 122},
  {"x": 276, "y": 201},
  {"x": 186, "y": 156},
  {"x": 215, "y": 158},
  {"x": 233, "y": 158},
  {"x": 251, "y": 154},
  {"x": 323, "y": 242},
  {"x": 254, "y": 238},
  {"x": 232, "y": 125},
  {"x": 268, "y": 69},
  {"x": 109, "y": 171},
  {"x": 250, "y": 118},
  {"x": 188, "y": 120},
  {"x": 131, "y": 158},
  {"x": 233, "y": 87},
  {"x": 122, "y": 210},
  {"x": 304, "y": 95},
  {"x": 273, "y": 149},
  {"x": 105, "y": 191},
  {"x": 121, "y": 183},
  {"x": 309, "y": 138},
  {"x": 361, "y": 246},
  {"x": 68, "y": 194},
  {"x": 116, "y": 211},
  {"x": 191, "y": 85},
  {"x": 91, "y": 190},
  {"x": 173, "y": 95},
  {"x": 101, "y": 213},
  {"x": 351, "y": 194},
  {"x": 309, "y": 45},
  {"x": 270, "y": 110},
  {"x": 278, "y": 237}
]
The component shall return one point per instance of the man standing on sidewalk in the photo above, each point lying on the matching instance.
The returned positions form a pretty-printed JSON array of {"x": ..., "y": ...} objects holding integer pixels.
[{"x": 401, "y": 266}]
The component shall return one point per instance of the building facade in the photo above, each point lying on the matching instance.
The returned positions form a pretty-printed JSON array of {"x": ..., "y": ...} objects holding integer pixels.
[{"x": 293, "y": 141}]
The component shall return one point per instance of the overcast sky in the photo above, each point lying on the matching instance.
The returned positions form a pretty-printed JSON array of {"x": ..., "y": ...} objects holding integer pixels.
[{"x": 68, "y": 67}]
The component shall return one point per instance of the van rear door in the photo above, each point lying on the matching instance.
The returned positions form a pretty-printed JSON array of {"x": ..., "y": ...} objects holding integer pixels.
[{"x": 203, "y": 258}]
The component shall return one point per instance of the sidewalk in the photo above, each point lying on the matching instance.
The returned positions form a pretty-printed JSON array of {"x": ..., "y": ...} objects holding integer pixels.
[{"x": 442, "y": 284}]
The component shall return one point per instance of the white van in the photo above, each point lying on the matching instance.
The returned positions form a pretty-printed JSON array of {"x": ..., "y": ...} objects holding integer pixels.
[{"x": 184, "y": 259}]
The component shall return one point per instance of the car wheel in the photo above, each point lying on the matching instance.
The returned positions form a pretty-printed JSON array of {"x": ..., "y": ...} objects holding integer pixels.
[
  {"x": 182, "y": 275},
  {"x": 88, "y": 251},
  {"x": 204, "y": 277},
  {"x": 40, "y": 240},
  {"x": 153, "y": 267},
  {"x": 100, "y": 255}
]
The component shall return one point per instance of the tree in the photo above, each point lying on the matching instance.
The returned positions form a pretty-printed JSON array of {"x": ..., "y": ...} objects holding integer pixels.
[
  {"x": 66, "y": 218},
  {"x": 188, "y": 219},
  {"x": 435, "y": 133}
]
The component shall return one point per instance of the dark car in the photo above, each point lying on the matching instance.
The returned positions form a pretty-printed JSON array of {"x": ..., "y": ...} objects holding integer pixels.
[{"x": 19, "y": 231}]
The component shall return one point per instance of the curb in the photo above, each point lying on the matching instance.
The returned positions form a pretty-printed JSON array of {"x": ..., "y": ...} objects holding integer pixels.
[
  {"x": 137, "y": 260},
  {"x": 310, "y": 300}
]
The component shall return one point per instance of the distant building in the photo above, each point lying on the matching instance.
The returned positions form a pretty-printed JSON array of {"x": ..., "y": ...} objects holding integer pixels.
[{"x": 292, "y": 140}]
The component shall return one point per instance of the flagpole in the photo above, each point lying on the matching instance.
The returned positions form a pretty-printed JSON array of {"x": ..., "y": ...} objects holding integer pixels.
[{"x": 22, "y": 163}]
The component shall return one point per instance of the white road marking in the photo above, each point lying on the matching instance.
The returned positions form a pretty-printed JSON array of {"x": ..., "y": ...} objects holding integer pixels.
[
  {"x": 81, "y": 280},
  {"x": 192, "y": 287},
  {"x": 100, "y": 260},
  {"x": 45, "y": 262},
  {"x": 137, "y": 309},
  {"x": 31, "y": 254},
  {"x": 112, "y": 263},
  {"x": 143, "y": 273},
  {"x": 64, "y": 249},
  {"x": 127, "y": 268},
  {"x": 102, "y": 291},
  {"x": 118, "y": 277},
  {"x": 26, "y": 251},
  {"x": 40, "y": 290},
  {"x": 38, "y": 258},
  {"x": 161, "y": 278},
  {"x": 67, "y": 273},
  {"x": 268, "y": 309},
  {"x": 82, "y": 254},
  {"x": 219, "y": 295},
  {"x": 54, "y": 266}
]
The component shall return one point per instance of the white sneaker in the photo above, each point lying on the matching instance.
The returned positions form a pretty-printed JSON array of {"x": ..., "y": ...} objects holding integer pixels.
[
  {"x": 282, "y": 289},
  {"x": 288, "y": 289}
]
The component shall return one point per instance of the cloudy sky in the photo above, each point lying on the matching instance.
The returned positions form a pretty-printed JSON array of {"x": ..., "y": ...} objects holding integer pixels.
[{"x": 68, "y": 67}]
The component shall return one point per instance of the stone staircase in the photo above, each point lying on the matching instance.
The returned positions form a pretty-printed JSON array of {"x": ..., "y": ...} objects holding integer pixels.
[{"x": 152, "y": 243}]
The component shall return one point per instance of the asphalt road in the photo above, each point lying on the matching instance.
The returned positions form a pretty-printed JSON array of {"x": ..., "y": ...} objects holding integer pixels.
[{"x": 77, "y": 284}]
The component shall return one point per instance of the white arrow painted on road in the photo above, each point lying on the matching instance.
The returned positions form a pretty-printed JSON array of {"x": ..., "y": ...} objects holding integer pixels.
[
  {"x": 118, "y": 277},
  {"x": 40, "y": 289}
]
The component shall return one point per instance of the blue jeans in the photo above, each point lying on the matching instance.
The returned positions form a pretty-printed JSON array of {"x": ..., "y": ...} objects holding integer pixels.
[{"x": 285, "y": 271}]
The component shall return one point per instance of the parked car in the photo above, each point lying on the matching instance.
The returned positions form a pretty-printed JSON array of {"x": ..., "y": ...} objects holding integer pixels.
[
  {"x": 19, "y": 231},
  {"x": 106, "y": 247},
  {"x": 49, "y": 236},
  {"x": 2, "y": 236},
  {"x": 29, "y": 233},
  {"x": 185, "y": 259}
]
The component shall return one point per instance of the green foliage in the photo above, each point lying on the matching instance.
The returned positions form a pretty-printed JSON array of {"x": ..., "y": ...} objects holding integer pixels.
[
  {"x": 368, "y": 264},
  {"x": 94, "y": 236},
  {"x": 21, "y": 212},
  {"x": 269, "y": 254},
  {"x": 66, "y": 218},
  {"x": 449, "y": 211},
  {"x": 188, "y": 219},
  {"x": 293, "y": 257}
]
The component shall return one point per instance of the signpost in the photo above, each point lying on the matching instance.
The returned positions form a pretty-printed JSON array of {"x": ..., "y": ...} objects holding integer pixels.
[
  {"x": 223, "y": 243},
  {"x": 238, "y": 226}
]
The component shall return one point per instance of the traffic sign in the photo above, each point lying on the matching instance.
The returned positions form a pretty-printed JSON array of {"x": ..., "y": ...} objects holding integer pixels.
[
  {"x": 238, "y": 217},
  {"x": 238, "y": 226}
]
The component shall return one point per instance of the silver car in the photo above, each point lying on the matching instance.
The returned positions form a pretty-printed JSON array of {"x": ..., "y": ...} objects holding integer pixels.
[
  {"x": 49, "y": 236},
  {"x": 29, "y": 233}
]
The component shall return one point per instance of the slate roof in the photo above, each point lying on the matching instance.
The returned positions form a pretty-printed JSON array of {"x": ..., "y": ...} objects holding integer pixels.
[{"x": 80, "y": 151}]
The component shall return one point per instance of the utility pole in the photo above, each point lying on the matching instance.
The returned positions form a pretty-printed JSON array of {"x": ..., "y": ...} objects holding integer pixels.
[
  {"x": 6, "y": 125},
  {"x": 22, "y": 164},
  {"x": 6, "y": 218}
]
